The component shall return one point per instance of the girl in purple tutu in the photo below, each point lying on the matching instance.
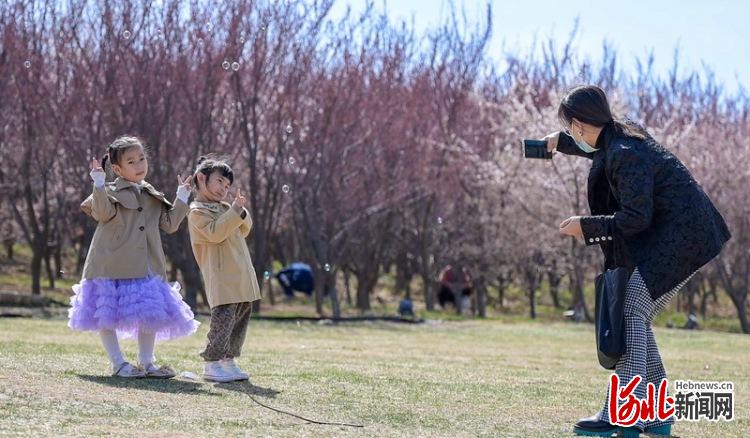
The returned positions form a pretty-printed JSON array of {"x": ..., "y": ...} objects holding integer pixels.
[{"x": 123, "y": 291}]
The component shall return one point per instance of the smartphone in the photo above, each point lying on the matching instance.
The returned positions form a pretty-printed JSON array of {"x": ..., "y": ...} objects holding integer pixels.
[{"x": 536, "y": 149}]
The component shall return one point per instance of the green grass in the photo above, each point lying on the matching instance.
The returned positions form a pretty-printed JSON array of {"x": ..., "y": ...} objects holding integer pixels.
[{"x": 470, "y": 378}]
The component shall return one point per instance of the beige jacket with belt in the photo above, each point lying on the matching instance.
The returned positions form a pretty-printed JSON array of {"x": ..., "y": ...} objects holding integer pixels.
[
  {"x": 127, "y": 243},
  {"x": 217, "y": 234}
]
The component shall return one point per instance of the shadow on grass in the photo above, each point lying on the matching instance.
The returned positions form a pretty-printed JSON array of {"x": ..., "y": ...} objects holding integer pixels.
[
  {"x": 169, "y": 386},
  {"x": 248, "y": 388}
]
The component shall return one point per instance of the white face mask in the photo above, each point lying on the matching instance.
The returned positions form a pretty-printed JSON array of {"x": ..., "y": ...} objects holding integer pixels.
[
  {"x": 585, "y": 147},
  {"x": 582, "y": 145}
]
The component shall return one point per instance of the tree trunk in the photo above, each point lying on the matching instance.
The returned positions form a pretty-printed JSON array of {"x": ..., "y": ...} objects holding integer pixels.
[
  {"x": 348, "y": 285},
  {"x": 703, "y": 304},
  {"x": 260, "y": 261},
  {"x": 269, "y": 289},
  {"x": 691, "y": 289},
  {"x": 403, "y": 275},
  {"x": 742, "y": 314},
  {"x": 481, "y": 296},
  {"x": 9, "y": 248},
  {"x": 554, "y": 287},
  {"x": 739, "y": 299},
  {"x": 428, "y": 281},
  {"x": 502, "y": 285},
  {"x": 429, "y": 291},
  {"x": 737, "y": 289},
  {"x": 36, "y": 271},
  {"x": 330, "y": 284},
  {"x": 580, "y": 297},
  {"x": 48, "y": 267},
  {"x": 86, "y": 236},
  {"x": 365, "y": 284},
  {"x": 59, "y": 272},
  {"x": 709, "y": 289},
  {"x": 319, "y": 290}
]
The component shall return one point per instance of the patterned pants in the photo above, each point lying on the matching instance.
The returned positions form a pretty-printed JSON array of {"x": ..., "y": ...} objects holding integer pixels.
[
  {"x": 641, "y": 353},
  {"x": 227, "y": 331}
]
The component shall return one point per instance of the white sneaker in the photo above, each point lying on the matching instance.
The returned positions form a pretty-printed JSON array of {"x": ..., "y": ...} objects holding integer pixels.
[
  {"x": 214, "y": 372},
  {"x": 232, "y": 369}
]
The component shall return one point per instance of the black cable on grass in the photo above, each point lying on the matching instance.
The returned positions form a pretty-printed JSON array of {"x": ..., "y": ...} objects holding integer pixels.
[{"x": 327, "y": 423}]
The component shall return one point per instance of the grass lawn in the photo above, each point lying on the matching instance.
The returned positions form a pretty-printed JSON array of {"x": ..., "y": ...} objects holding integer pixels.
[{"x": 470, "y": 378}]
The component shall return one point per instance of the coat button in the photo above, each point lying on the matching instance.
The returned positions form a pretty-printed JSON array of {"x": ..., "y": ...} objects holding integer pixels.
[
  {"x": 141, "y": 228},
  {"x": 591, "y": 240},
  {"x": 140, "y": 208},
  {"x": 597, "y": 239}
]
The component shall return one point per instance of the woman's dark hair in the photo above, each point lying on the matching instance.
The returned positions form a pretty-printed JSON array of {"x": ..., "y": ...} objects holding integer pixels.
[
  {"x": 588, "y": 104},
  {"x": 208, "y": 164},
  {"x": 119, "y": 146}
]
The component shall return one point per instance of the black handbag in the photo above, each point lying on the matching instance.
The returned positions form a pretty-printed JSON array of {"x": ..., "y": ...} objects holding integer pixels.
[{"x": 610, "y": 316}]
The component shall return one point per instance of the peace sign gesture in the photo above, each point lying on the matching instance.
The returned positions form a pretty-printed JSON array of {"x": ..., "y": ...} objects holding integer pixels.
[
  {"x": 239, "y": 201},
  {"x": 184, "y": 182}
]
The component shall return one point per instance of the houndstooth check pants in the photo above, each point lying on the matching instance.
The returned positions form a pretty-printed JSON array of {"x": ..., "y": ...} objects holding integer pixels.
[
  {"x": 227, "y": 331},
  {"x": 641, "y": 353}
]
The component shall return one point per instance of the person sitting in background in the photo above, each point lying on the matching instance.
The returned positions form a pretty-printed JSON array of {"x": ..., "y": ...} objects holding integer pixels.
[
  {"x": 406, "y": 307},
  {"x": 692, "y": 322},
  {"x": 455, "y": 287}
]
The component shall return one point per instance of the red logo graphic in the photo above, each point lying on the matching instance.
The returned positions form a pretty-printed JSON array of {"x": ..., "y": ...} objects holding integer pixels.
[{"x": 632, "y": 409}]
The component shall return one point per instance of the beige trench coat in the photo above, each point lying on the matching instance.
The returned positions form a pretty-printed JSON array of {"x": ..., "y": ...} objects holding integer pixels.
[
  {"x": 217, "y": 234},
  {"x": 127, "y": 242}
]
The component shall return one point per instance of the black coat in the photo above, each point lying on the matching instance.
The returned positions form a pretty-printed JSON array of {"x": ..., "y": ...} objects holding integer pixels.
[{"x": 647, "y": 211}]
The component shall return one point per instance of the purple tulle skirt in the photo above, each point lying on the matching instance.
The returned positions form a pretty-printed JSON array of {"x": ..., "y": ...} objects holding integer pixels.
[{"x": 147, "y": 304}]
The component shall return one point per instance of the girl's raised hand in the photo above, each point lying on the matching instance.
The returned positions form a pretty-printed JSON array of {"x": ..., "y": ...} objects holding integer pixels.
[
  {"x": 183, "y": 188},
  {"x": 97, "y": 173},
  {"x": 239, "y": 201},
  {"x": 95, "y": 166},
  {"x": 184, "y": 182}
]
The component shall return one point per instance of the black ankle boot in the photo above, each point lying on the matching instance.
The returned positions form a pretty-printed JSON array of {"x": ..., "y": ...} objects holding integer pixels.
[{"x": 593, "y": 426}]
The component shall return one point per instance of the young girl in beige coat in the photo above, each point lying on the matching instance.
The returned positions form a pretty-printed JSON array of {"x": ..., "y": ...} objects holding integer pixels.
[
  {"x": 124, "y": 290},
  {"x": 217, "y": 232}
]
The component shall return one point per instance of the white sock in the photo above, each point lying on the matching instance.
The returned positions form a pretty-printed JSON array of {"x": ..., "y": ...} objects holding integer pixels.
[
  {"x": 146, "y": 347},
  {"x": 109, "y": 339}
]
